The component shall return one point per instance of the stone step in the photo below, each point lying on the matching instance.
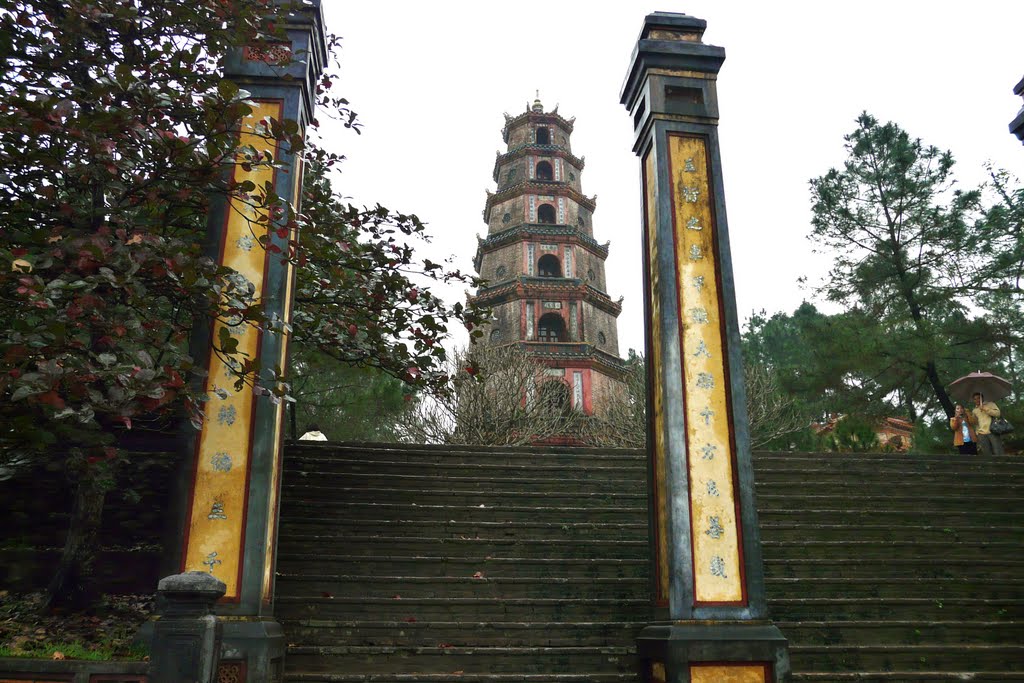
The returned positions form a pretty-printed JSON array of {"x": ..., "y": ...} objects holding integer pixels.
[
  {"x": 484, "y": 512},
  {"x": 479, "y": 468},
  {"x": 978, "y": 483},
  {"x": 887, "y": 657},
  {"x": 468, "y": 586},
  {"x": 398, "y": 608},
  {"x": 906, "y": 676},
  {"x": 924, "y": 516},
  {"x": 453, "y": 495},
  {"x": 795, "y": 531},
  {"x": 897, "y": 609},
  {"x": 906, "y": 548},
  {"x": 878, "y": 587},
  {"x": 912, "y": 632},
  {"x": 894, "y": 461},
  {"x": 424, "y": 480},
  {"x": 425, "y": 453},
  {"x": 449, "y": 565},
  {"x": 884, "y": 506},
  {"x": 861, "y": 567},
  {"x": 384, "y": 659},
  {"x": 460, "y": 633},
  {"x": 462, "y": 677},
  {"x": 356, "y": 529},
  {"x": 303, "y": 543}
]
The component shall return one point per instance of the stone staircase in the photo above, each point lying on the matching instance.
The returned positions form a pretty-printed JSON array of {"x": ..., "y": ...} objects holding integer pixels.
[
  {"x": 895, "y": 567},
  {"x": 438, "y": 564},
  {"x": 419, "y": 564}
]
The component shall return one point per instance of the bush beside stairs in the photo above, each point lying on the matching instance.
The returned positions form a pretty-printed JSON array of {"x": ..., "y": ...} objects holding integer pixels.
[{"x": 402, "y": 563}]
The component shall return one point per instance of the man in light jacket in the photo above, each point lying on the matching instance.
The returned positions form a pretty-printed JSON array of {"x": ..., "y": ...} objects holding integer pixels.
[{"x": 981, "y": 418}]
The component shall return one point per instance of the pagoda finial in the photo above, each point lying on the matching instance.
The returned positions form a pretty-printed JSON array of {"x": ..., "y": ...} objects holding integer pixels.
[{"x": 537, "y": 106}]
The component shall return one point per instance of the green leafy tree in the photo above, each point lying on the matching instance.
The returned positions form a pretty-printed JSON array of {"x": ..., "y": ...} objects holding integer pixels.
[
  {"x": 998, "y": 283},
  {"x": 347, "y": 402},
  {"x": 824, "y": 362},
  {"x": 902, "y": 236},
  {"x": 116, "y": 129},
  {"x": 853, "y": 434}
]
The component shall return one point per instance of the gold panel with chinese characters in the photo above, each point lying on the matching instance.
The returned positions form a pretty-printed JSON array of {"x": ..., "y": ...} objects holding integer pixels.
[
  {"x": 216, "y": 527},
  {"x": 715, "y": 530},
  {"x": 729, "y": 673}
]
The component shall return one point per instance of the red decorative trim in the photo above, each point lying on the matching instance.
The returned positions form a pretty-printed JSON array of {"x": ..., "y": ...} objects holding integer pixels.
[
  {"x": 275, "y": 54},
  {"x": 232, "y": 671},
  {"x": 588, "y": 396}
]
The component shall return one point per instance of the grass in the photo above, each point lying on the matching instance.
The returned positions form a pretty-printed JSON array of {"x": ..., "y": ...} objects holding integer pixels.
[
  {"x": 104, "y": 633},
  {"x": 94, "y": 653}
]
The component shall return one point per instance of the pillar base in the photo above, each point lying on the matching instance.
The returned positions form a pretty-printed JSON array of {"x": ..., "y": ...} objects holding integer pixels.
[
  {"x": 254, "y": 647},
  {"x": 720, "y": 651}
]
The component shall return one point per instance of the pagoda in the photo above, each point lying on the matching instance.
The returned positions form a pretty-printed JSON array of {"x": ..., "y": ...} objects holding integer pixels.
[{"x": 544, "y": 271}]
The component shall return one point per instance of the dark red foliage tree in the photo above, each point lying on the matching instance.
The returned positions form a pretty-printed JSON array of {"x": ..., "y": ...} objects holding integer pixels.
[{"x": 116, "y": 129}]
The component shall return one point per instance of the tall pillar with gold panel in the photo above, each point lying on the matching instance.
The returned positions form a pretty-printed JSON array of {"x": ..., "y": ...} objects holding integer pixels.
[
  {"x": 232, "y": 477},
  {"x": 708, "y": 581}
]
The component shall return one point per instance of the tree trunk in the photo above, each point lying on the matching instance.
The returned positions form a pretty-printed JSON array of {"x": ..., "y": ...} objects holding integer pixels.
[
  {"x": 74, "y": 584},
  {"x": 939, "y": 389}
]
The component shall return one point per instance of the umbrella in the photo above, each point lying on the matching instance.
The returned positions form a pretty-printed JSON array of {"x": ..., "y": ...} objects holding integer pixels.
[{"x": 991, "y": 386}]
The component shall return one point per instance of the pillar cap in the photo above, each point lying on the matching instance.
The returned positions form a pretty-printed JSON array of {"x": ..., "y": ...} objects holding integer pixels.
[
  {"x": 669, "y": 41},
  {"x": 192, "y": 582}
]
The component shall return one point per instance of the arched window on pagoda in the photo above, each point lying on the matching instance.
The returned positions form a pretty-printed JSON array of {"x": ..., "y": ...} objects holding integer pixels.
[
  {"x": 544, "y": 171},
  {"x": 551, "y": 328},
  {"x": 543, "y": 136},
  {"x": 548, "y": 266},
  {"x": 546, "y": 214},
  {"x": 554, "y": 396}
]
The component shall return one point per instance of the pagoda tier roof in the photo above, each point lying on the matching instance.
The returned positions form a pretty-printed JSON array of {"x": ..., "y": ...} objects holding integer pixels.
[
  {"x": 525, "y": 148},
  {"x": 582, "y": 353},
  {"x": 531, "y": 116},
  {"x": 554, "y": 187},
  {"x": 527, "y": 230},
  {"x": 531, "y": 287}
]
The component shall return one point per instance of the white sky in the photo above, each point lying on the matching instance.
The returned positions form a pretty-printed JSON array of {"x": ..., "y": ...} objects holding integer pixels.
[{"x": 430, "y": 81}]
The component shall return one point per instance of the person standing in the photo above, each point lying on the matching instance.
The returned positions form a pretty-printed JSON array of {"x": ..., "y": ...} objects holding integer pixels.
[
  {"x": 964, "y": 438},
  {"x": 981, "y": 419},
  {"x": 313, "y": 433}
]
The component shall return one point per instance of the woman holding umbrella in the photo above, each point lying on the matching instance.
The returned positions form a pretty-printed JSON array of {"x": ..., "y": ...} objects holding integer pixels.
[{"x": 983, "y": 388}]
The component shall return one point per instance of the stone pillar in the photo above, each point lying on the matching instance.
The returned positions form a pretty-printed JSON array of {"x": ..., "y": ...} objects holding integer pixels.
[
  {"x": 1017, "y": 125},
  {"x": 711, "y": 618},
  {"x": 187, "y": 637},
  {"x": 232, "y": 478}
]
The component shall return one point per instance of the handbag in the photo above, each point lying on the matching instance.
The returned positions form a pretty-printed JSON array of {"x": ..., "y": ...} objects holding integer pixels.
[{"x": 1000, "y": 426}]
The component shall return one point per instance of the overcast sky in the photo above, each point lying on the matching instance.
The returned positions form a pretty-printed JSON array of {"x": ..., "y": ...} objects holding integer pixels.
[{"x": 430, "y": 81}]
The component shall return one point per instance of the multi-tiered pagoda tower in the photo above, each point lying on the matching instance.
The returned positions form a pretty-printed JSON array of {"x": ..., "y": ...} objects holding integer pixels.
[{"x": 545, "y": 272}]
